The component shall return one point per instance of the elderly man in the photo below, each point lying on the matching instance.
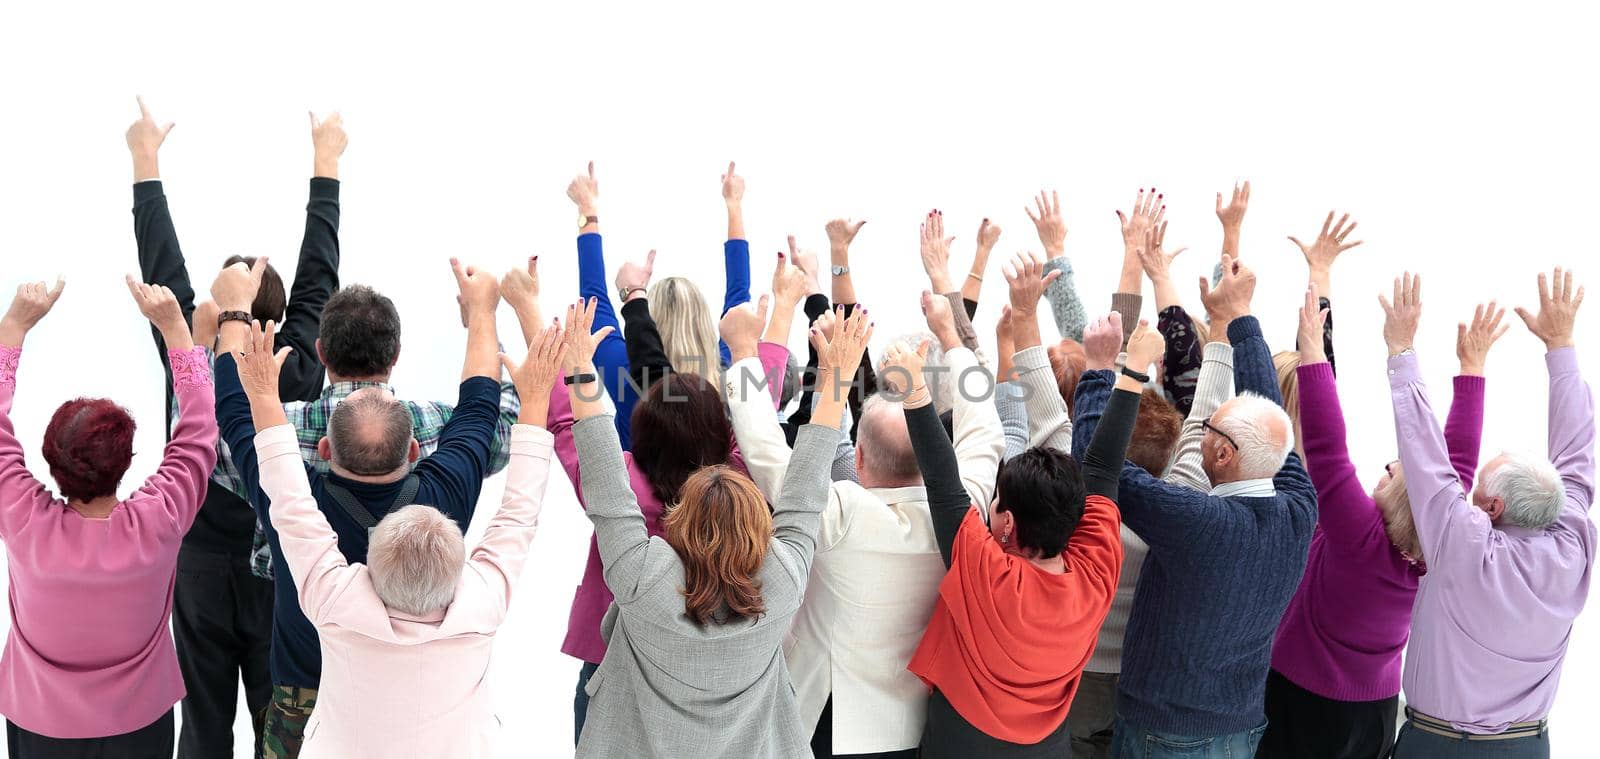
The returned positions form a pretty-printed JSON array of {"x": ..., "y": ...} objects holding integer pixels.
[
  {"x": 1508, "y": 565},
  {"x": 370, "y": 448},
  {"x": 221, "y": 611},
  {"x": 877, "y": 567},
  {"x": 1222, "y": 565}
]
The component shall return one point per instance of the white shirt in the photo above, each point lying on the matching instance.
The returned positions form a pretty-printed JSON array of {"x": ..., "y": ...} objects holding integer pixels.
[
  {"x": 875, "y": 576},
  {"x": 1246, "y": 489}
]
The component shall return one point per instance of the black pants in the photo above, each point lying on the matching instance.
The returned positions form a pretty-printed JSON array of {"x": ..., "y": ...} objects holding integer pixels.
[
  {"x": 822, "y": 741},
  {"x": 948, "y": 734},
  {"x": 1304, "y": 725},
  {"x": 222, "y": 625},
  {"x": 153, "y": 741}
]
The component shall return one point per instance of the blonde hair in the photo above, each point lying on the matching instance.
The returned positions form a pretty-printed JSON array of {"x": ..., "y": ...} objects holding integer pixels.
[
  {"x": 1288, "y": 365},
  {"x": 688, "y": 333},
  {"x": 414, "y": 559},
  {"x": 1397, "y": 523}
]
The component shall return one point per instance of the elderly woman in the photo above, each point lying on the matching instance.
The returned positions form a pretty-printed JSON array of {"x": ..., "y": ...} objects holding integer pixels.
[
  {"x": 406, "y": 638},
  {"x": 1335, "y": 679},
  {"x": 89, "y": 667},
  {"x": 694, "y": 658}
]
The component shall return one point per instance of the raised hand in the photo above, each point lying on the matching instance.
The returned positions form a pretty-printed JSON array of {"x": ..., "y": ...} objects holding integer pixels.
[
  {"x": 158, "y": 304},
  {"x": 941, "y": 320},
  {"x": 1148, "y": 213},
  {"x": 328, "y": 141},
  {"x": 825, "y": 323},
  {"x": 732, "y": 187},
  {"x": 841, "y": 354},
  {"x": 144, "y": 142},
  {"x": 235, "y": 287},
  {"x": 1231, "y": 298},
  {"x": 634, "y": 278},
  {"x": 584, "y": 191},
  {"x": 842, "y": 232},
  {"x": 902, "y": 369},
  {"x": 479, "y": 290},
  {"x": 520, "y": 285},
  {"x": 807, "y": 261},
  {"x": 536, "y": 375},
  {"x": 32, "y": 301},
  {"x": 1102, "y": 341},
  {"x": 1402, "y": 314},
  {"x": 1232, "y": 217},
  {"x": 1047, "y": 219},
  {"x": 1474, "y": 341},
  {"x": 1145, "y": 346},
  {"x": 258, "y": 365},
  {"x": 1153, "y": 258},
  {"x": 580, "y": 342},
  {"x": 741, "y": 328},
  {"x": 1026, "y": 277},
  {"x": 204, "y": 319},
  {"x": 936, "y": 252},
  {"x": 1330, "y": 242},
  {"x": 988, "y": 236},
  {"x": 790, "y": 281},
  {"x": 1558, "y": 310},
  {"x": 1312, "y": 317},
  {"x": 1005, "y": 340}
]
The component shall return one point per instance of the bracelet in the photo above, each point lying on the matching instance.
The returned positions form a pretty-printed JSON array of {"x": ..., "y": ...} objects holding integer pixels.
[
  {"x": 233, "y": 316},
  {"x": 579, "y": 379},
  {"x": 1143, "y": 379},
  {"x": 975, "y": 275}
]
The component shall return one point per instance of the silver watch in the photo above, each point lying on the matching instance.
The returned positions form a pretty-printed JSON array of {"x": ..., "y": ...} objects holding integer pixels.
[{"x": 839, "y": 271}]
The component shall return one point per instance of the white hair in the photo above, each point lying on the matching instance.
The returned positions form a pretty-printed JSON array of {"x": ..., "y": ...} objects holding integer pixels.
[
  {"x": 934, "y": 369},
  {"x": 415, "y": 558},
  {"x": 884, "y": 440},
  {"x": 1255, "y": 423},
  {"x": 1531, "y": 489}
]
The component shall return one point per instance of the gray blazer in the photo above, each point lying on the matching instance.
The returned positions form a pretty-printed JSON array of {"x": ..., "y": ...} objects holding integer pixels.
[{"x": 667, "y": 686}]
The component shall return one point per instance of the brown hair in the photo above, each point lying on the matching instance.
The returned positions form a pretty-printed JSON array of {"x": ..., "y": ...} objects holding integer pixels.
[
  {"x": 720, "y": 530},
  {"x": 1155, "y": 433},
  {"x": 679, "y": 425},
  {"x": 271, "y": 301},
  {"x": 1068, "y": 361}
]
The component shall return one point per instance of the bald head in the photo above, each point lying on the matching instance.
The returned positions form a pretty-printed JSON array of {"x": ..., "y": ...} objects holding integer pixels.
[
  {"x": 369, "y": 433},
  {"x": 1259, "y": 439},
  {"x": 884, "y": 458}
]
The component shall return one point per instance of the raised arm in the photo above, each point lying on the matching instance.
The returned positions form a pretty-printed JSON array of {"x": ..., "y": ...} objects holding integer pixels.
[
  {"x": 647, "y": 354},
  {"x": 160, "y": 258},
  {"x": 1228, "y": 305},
  {"x": 842, "y": 232},
  {"x": 1103, "y": 461},
  {"x": 316, "y": 275},
  {"x": 1146, "y": 220},
  {"x": 948, "y": 500},
  {"x": 979, "y": 442},
  {"x": 21, "y": 496},
  {"x": 1213, "y": 387},
  {"x": 1049, "y": 424},
  {"x": 747, "y": 383},
  {"x": 988, "y": 235},
  {"x": 1232, "y": 218},
  {"x": 1009, "y": 394},
  {"x": 936, "y": 264},
  {"x": 1320, "y": 256},
  {"x": 736, "y": 251},
  {"x": 1066, "y": 305},
  {"x": 1571, "y": 434},
  {"x": 179, "y": 483},
  {"x": 611, "y": 357}
]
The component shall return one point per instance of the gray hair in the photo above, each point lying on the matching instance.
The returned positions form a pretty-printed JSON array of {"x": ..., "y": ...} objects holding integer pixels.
[
  {"x": 935, "y": 371},
  {"x": 370, "y": 432},
  {"x": 1253, "y": 422},
  {"x": 1531, "y": 489},
  {"x": 414, "y": 559},
  {"x": 885, "y": 448}
]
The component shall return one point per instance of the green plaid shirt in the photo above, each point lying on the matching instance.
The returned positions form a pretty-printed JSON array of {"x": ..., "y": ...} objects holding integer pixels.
[{"x": 310, "y": 422}]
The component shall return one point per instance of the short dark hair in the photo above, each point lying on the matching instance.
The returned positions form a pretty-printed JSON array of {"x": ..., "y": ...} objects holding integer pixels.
[
  {"x": 369, "y": 433},
  {"x": 271, "y": 301},
  {"x": 1155, "y": 433},
  {"x": 88, "y": 445},
  {"x": 360, "y": 333},
  {"x": 1043, "y": 490},
  {"x": 679, "y": 425}
]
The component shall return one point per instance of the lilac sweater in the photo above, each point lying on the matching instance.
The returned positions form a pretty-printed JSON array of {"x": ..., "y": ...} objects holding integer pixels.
[{"x": 1343, "y": 632}]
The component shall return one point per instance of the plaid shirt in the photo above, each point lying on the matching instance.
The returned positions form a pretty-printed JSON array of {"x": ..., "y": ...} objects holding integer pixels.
[{"x": 310, "y": 422}]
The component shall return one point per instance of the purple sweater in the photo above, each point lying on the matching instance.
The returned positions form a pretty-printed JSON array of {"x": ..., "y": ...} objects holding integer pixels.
[{"x": 1342, "y": 635}]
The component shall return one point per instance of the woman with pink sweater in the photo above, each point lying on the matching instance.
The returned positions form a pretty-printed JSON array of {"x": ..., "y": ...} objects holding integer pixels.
[
  {"x": 1334, "y": 685},
  {"x": 89, "y": 668}
]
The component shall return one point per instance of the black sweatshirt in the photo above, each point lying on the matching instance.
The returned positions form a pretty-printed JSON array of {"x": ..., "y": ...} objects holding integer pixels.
[
  {"x": 947, "y": 497},
  {"x": 225, "y": 523}
]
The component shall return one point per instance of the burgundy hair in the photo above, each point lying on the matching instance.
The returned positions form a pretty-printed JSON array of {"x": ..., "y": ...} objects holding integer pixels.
[{"x": 88, "y": 446}]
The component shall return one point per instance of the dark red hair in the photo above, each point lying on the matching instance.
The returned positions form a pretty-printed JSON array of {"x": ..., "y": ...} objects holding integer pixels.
[
  {"x": 679, "y": 425},
  {"x": 88, "y": 446}
]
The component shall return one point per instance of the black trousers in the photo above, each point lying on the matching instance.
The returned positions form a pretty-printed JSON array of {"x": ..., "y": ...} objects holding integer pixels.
[
  {"x": 948, "y": 734},
  {"x": 222, "y": 626},
  {"x": 1304, "y": 725},
  {"x": 822, "y": 741},
  {"x": 154, "y": 741}
]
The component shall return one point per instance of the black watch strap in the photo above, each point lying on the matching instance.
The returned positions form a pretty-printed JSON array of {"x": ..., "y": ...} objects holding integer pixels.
[
  {"x": 233, "y": 316},
  {"x": 1142, "y": 378},
  {"x": 579, "y": 379}
]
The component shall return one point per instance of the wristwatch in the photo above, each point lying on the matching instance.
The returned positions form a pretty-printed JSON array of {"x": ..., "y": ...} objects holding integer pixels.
[
  {"x": 624, "y": 292},
  {"x": 232, "y": 316},
  {"x": 839, "y": 271},
  {"x": 584, "y": 221}
]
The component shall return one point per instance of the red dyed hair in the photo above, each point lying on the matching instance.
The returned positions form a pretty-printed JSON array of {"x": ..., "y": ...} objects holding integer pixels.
[
  {"x": 88, "y": 446},
  {"x": 1068, "y": 361}
]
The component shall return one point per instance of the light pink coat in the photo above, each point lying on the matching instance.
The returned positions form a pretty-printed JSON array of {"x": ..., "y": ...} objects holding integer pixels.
[{"x": 395, "y": 685}]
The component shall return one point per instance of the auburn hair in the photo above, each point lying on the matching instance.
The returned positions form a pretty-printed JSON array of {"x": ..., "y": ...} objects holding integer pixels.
[
  {"x": 1155, "y": 433},
  {"x": 679, "y": 425},
  {"x": 720, "y": 529},
  {"x": 88, "y": 445},
  {"x": 1068, "y": 361}
]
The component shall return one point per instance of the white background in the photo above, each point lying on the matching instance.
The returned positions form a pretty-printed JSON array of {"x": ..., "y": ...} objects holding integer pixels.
[{"x": 1460, "y": 137}]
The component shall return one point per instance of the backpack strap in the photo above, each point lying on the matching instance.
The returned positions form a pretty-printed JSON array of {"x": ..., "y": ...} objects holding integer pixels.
[{"x": 353, "y": 508}]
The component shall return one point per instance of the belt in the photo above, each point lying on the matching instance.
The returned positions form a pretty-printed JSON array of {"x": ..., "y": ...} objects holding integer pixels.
[{"x": 1440, "y": 727}]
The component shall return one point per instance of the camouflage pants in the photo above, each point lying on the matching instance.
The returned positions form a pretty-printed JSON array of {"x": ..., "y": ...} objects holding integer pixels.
[{"x": 286, "y": 721}]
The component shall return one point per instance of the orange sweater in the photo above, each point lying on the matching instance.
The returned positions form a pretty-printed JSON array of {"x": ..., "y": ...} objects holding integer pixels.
[{"x": 1007, "y": 641}]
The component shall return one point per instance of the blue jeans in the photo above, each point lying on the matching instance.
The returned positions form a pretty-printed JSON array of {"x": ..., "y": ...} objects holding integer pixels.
[
  {"x": 580, "y": 700},
  {"x": 1131, "y": 742}
]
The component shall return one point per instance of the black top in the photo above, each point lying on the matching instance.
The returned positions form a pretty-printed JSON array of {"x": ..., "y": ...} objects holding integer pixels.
[
  {"x": 225, "y": 523},
  {"x": 947, "y": 497},
  {"x": 647, "y": 356}
]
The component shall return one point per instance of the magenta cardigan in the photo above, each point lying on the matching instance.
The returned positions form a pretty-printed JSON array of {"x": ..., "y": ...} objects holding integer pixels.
[
  {"x": 89, "y": 653},
  {"x": 592, "y": 598},
  {"x": 1343, "y": 632}
]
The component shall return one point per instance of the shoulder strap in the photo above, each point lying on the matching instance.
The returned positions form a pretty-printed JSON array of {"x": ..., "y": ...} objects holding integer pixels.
[{"x": 347, "y": 500}]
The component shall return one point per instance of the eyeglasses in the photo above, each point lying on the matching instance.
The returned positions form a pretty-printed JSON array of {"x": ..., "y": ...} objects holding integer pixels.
[{"x": 1206, "y": 424}]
